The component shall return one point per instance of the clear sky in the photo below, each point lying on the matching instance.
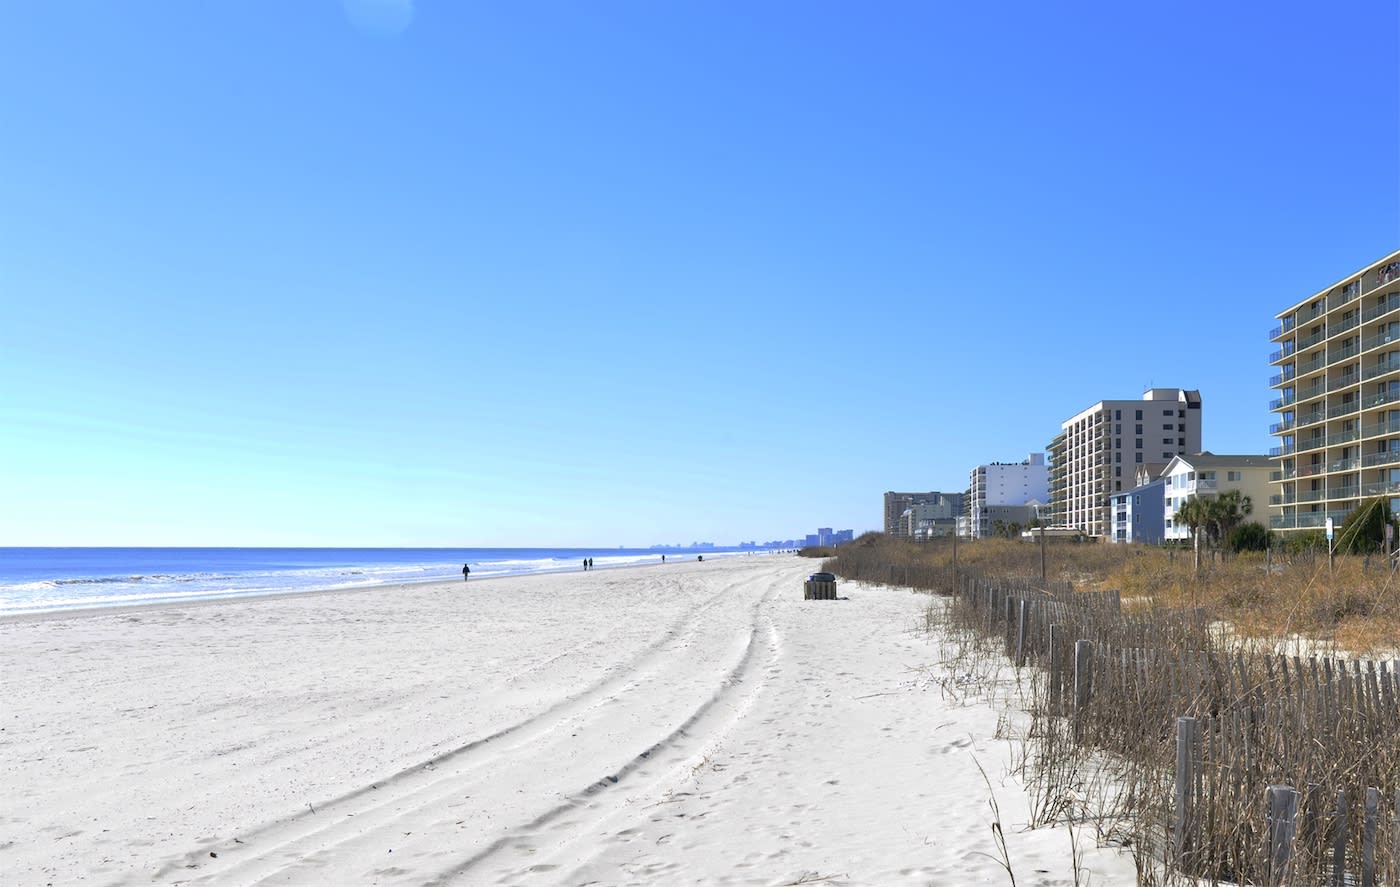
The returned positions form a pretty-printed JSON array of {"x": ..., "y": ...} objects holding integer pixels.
[{"x": 606, "y": 272}]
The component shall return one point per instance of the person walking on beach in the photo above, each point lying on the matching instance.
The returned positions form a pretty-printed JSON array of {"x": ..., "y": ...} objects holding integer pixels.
[
  {"x": 585, "y": 565},
  {"x": 590, "y": 563},
  {"x": 466, "y": 572}
]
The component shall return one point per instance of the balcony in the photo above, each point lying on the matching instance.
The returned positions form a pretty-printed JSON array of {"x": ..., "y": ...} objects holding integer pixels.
[
  {"x": 1344, "y": 381},
  {"x": 1384, "y": 488},
  {"x": 1376, "y": 400},
  {"x": 1346, "y": 294},
  {"x": 1344, "y": 436},
  {"x": 1286, "y": 376},
  {"x": 1342, "y": 352},
  {"x": 1315, "y": 443},
  {"x": 1388, "y": 365},
  {"x": 1374, "y": 459},
  {"x": 1282, "y": 354},
  {"x": 1391, "y": 303},
  {"x": 1306, "y": 520},
  {"x": 1378, "y": 340},
  {"x": 1344, "y": 465},
  {"x": 1312, "y": 417},
  {"x": 1381, "y": 429},
  {"x": 1280, "y": 402},
  {"x": 1314, "y": 339}
]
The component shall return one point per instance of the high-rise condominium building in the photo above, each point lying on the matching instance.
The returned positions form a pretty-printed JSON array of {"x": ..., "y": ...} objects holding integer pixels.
[
  {"x": 934, "y": 506},
  {"x": 1338, "y": 399},
  {"x": 1099, "y": 451},
  {"x": 1015, "y": 484}
]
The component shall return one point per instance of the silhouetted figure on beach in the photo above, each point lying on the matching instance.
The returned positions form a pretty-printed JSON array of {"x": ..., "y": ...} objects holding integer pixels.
[
  {"x": 466, "y": 572},
  {"x": 590, "y": 563},
  {"x": 663, "y": 558}
]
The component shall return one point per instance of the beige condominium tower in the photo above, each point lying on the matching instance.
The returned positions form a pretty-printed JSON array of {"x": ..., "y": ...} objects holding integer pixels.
[
  {"x": 1099, "y": 452},
  {"x": 1337, "y": 399}
]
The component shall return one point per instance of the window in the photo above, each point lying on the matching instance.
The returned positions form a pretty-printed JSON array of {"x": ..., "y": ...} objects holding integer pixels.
[
  {"x": 1167, "y": 456},
  {"x": 1117, "y": 485},
  {"x": 1118, "y": 472},
  {"x": 1166, "y": 412},
  {"x": 1137, "y": 500},
  {"x": 1118, "y": 428},
  {"x": 1181, "y": 428},
  {"x": 1138, "y": 445},
  {"x": 1138, "y": 428},
  {"x": 1166, "y": 442},
  {"x": 1139, "y": 458},
  {"x": 1181, "y": 414},
  {"x": 1139, "y": 415},
  {"x": 1117, "y": 414},
  {"x": 1117, "y": 457},
  {"x": 1181, "y": 442},
  {"x": 1118, "y": 443},
  {"x": 1233, "y": 476},
  {"x": 1167, "y": 427}
]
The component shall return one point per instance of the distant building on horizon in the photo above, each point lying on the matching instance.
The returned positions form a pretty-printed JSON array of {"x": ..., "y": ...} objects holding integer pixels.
[
  {"x": 1338, "y": 399},
  {"x": 1098, "y": 451},
  {"x": 826, "y": 537},
  {"x": 936, "y": 513},
  {"x": 1010, "y": 492}
]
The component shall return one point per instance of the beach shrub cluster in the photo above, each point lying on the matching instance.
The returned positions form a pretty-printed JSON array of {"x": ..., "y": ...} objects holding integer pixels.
[{"x": 1284, "y": 594}]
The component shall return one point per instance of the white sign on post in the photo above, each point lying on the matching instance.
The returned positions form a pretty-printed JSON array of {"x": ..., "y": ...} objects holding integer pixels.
[{"x": 1329, "y": 529}]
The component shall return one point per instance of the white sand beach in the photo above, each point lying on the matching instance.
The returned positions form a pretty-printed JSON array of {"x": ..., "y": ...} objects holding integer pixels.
[{"x": 692, "y": 723}]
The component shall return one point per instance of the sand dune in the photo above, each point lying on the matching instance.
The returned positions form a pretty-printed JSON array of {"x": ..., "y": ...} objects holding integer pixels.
[{"x": 693, "y": 723}]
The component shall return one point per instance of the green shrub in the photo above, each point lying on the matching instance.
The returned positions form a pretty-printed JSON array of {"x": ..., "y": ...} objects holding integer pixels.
[{"x": 1252, "y": 536}]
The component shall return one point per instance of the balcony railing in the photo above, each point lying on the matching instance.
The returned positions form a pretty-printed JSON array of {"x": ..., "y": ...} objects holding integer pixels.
[
  {"x": 1343, "y": 465},
  {"x": 1343, "y": 381},
  {"x": 1344, "y": 436},
  {"x": 1309, "y": 341},
  {"x": 1285, "y": 376},
  {"x": 1314, "y": 443},
  {"x": 1391, "y": 303},
  {"x": 1389, "y": 365},
  {"x": 1342, "y": 352},
  {"x": 1378, "y": 340},
  {"x": 1376, "y": 400},
  {"x": 1305, "y": 520},
  {"x": 1379, "y": 429},
  {"x": 1374, "y": 459},
  {"x": 1383, "y": 488}
]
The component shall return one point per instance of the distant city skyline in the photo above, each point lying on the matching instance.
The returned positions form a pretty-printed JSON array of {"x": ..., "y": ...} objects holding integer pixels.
[{"x": 442, "y": 274}]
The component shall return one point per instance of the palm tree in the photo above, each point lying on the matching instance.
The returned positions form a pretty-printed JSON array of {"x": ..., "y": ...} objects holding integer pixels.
[
  {"x": 1225, "y": 512},
  {"x": 1194, "y": 514}
]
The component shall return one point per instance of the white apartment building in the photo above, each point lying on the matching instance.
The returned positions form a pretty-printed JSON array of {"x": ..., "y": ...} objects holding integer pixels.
[
  {"x": 1100, "y": 449},
  {"x": 1208, "y": 475},
  {"x": 1338, "y": 399},
  {"x": 998, "y": 483}
]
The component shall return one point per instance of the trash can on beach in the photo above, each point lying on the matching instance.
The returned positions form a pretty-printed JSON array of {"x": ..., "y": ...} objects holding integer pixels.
[{"x": 819, "y": 587}]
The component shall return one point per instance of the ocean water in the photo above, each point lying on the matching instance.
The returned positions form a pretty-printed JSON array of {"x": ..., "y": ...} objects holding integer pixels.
[{"x": 36, "y": 580}]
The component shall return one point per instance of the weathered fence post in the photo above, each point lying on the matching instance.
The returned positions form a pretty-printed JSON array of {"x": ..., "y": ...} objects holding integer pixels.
[
  {"x": 1184, "y": 822},
  {"x": 1368, "y": 837},
  {"x": 1022, "y": 616},
  {"x": 1282, "y": 822},
  {"x": 1395, "y": 850},
  {"x": 1056, "y": 680},
  {"x": 1083, "y": 681},
  {"x": 1339, "y": 842}
]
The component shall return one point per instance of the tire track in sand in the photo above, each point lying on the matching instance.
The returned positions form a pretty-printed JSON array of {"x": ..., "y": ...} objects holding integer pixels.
[{"x": 660, "y": 701}]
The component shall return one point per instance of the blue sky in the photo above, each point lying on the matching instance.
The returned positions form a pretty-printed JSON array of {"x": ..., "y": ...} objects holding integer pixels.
[{"x": 295, "y": 272}]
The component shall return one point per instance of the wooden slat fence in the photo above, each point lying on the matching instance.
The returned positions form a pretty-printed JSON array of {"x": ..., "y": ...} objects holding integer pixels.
[{"x": 1324, "y": 728}]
